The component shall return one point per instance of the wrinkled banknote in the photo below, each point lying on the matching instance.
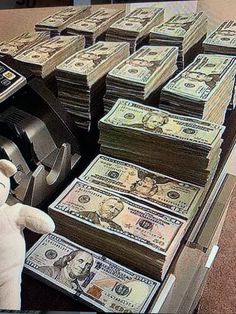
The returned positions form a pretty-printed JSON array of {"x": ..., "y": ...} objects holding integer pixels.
[
  {"x": 144, "y": 65},
  {"x": 138, "y": 20},
  {"x": 88, "y": 276},
  {"x": 118, "y": 215},
  {"x": 132, "y": 180},
  {"x": 132, "y": 115},
  {"x": 62, "y": 17},
  {"x": 224, "y": 35},
  {"x": 200, "y": 79},
  {"x": 22, "y": 42},
  {"x": 100, "y": 19},
  {"x": 178, "y": 25},
  {"x": 90, "y": 59},
  {"x": 46, "y": 50}
]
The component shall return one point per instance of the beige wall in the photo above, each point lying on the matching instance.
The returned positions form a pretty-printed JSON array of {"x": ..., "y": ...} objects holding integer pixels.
[{"x": 14, "y": 22}]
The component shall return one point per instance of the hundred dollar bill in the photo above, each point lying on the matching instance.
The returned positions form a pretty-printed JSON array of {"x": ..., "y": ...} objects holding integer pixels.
[
  {"x": 88, "y": 276},
  {"x": 61, "y": 19},
  {"x": 224, "y": 35},
  {"x": 144, "y": 65},
  {"x": 132, "y": 115},
  {"x": 98, "y": 22},
  {"x": 178, "y": 25},
  {"x": 42, "y": 53},
  {"x": 22, "y": 42},
  {"x": 138, "y": 20},
  {"x": 129, "y": 179},
  {"x": 92, "y": 59},
  {"x": 200, "y": 79},
  {"x": 118, "y": 215}
]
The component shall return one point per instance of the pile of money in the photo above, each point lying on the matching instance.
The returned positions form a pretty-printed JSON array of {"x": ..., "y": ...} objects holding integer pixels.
[
  {"x": 129, "y": 232},
  {"x": 43, "y": 58},
  {"x": 81, "y": 80},
  {"x": 58, "y": 22},
  {"x": 88, "y": 276},
  {"x": 135, "y": 26},
  {"x": 223, "y": 41},
  {"x": 94, "y": 26},
  {"x": 203, "y": 90},
  {"x": 186, "y": 31},
  {"x": 182, "y": 147},
  {"x": 158, "y": 190},
  {"x": 141, "y": 76},
  {"x": 22, "y": 42}
]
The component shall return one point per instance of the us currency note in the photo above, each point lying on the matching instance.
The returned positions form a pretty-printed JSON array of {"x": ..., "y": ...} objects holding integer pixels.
[
  {"x": 224, "y": 35},
  {"x": 200, "y": 79},
  {"x": 144, "y": 64},
  {"x": 132, "y": 115},
  {"x": 43, "y": 52},
  {"x": 129, "y": 179},
  {"x": 138, "y": 20},
  {"x": 62, "y": 17},
  {"x": 100, "y": 19},
  {"x": 88, "y": 276},
  {"x": 22, "y": 42},
  {"x": 178, "y": 25},
  {"x": 118, "y": 215},
  {"x": 88, "y": 60}
]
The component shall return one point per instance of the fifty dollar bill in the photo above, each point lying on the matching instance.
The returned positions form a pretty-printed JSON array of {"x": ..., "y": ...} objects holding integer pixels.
[{"x": 120, "y": 216}]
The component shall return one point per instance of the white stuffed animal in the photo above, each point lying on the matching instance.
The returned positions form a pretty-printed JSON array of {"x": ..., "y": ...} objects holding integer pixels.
[{"x": 13, "y": 219}]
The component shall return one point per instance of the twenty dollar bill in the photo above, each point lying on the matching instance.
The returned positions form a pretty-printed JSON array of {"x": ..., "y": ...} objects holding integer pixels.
[{"x": 165, "y": 192}]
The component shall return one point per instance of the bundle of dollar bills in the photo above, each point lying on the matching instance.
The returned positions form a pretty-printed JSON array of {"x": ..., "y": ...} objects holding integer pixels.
[
  {"x": 162, "y": 141},
  {"x": 141, "y": 76},
  {"x": 129, "y": 232},
  {"x": 203, "y": 90},
  {"x": 43, "y": 58},
  {"x": 135, "y": 26},
  {"x": 223, "y": 41},
  {"x": 58, "y": 21},
  {"x": 186, "y": 31},
  {"x": 22, "y": 42},
  {"x": 88, "y": 276},
  {"x": 94, "y": 26},
  {"x": 81, "y": 80},
  {"x": 158, "y": 190}
]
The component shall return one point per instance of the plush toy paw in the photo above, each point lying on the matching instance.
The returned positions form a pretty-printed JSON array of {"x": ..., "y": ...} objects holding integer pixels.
[{"x": 13, "y": 219}]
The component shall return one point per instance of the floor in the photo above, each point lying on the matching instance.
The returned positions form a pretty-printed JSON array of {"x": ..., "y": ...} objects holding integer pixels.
[{"x": 219, "y": 295}]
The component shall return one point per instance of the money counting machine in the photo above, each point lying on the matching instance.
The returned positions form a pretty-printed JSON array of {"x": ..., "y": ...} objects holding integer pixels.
[{"x": 35, "y": 134}]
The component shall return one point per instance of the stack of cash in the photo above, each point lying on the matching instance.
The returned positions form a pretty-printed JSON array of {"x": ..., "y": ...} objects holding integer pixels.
[
  {"x": 43, "y": 58},
  {"x": 162, "y": 141},
  {"x": 131, "y": 233},
  {"x": 141, "y": 76},
  {"x": 88, "y": 276},
  {"x": 81, "y": 80},
  {"x": 94, "y": 26},
  {"x": 203, "y": 90},
  {"x": 158, "y": 190},
  {"x": 223, "y": 41},
  {"x": 187, "y": 32},
  {"x": 57, "y": 22},
  {"x": 135, "y": 26},
  {"x": 22, "y": 42}
]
